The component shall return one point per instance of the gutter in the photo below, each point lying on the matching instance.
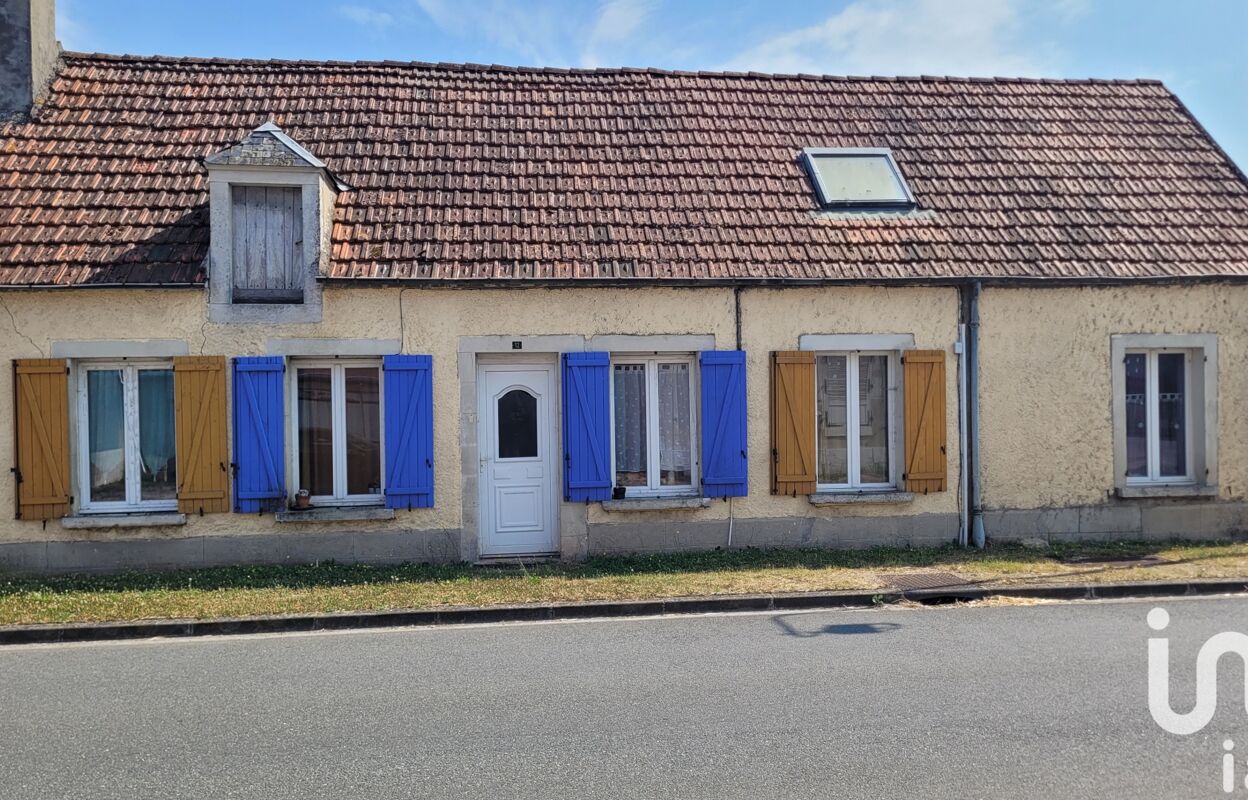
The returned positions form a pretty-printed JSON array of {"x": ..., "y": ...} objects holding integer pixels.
[
  {"x": 682, "y": 283},
  {"x": 704, "y": 283}
]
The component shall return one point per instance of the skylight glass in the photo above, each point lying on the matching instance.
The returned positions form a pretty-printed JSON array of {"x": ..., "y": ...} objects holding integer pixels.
[{"x": 856, "y": 176}]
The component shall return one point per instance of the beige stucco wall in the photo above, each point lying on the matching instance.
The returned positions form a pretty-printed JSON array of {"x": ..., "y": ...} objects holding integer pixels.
[
  {"x": 1047, "y": 436},
  {"x": 433, "y": 320}
]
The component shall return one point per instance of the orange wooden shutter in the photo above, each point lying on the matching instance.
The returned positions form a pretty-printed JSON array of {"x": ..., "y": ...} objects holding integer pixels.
[
  {"x": 793, "y": 423},
  {"x": 41, "y": 389},
  {"x": 924, "y": 377},
  {"x": 199, "y": 411}
]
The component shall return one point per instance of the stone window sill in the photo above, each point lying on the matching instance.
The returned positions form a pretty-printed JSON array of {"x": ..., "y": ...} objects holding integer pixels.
[
  {"x": 335, "y": 514},
  {"x": 655, "y": 504},
  {"x": 1164, "y": 490},
  {"x": 860, "y": 498},
  {"x": 163, "y": 518}
]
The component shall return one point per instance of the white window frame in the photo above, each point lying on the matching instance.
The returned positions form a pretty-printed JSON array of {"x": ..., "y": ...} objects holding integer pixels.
[
  {"x": 1152, "y": 414},
  {"x": 853, "y": 415},
  {"x": 130, "y": 438},
  {"x": 1201, "y": 413},
  {"x": 653, "y": 487},
  {"x": 338, "y": 411}
]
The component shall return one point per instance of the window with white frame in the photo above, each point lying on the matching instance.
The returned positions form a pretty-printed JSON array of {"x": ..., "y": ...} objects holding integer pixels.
[
  {"x": 1158, "y": 415},
  {"x": 1165, "y": 412},
  {"x": 126, "y": 437},
  {"x": 336, "y": 419},
  {"x": 654, "y": 423},
  {"x": 855, "y": 427}
]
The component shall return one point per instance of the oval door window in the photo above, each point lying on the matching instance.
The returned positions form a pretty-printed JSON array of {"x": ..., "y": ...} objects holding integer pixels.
[{"x": 517, "y": 425}]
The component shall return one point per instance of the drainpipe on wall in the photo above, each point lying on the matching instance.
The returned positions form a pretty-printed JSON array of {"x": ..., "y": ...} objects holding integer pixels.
[
  {"x": 964, "y": 510},
  {"x": 972, "y": 372},
  {"x": 736, "y": 303}
]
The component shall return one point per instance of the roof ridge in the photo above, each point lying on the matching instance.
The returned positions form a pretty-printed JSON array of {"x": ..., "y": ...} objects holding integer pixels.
[{"x": 72, "y": 55}]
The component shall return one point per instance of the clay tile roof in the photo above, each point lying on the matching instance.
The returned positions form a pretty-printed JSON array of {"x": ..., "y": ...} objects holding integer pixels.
[{"x": 471, "y": 172}]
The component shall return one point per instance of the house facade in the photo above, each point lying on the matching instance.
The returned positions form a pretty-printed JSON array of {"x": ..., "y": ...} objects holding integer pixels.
[{"x": 299, "y": 311}]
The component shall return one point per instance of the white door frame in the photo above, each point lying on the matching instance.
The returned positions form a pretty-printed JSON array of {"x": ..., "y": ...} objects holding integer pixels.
[{"x": 548, "y": 438}]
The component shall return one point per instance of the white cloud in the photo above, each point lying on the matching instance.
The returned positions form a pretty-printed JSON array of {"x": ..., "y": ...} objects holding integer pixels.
[
  {"x": 906, "y": 37},
  {"x": 535, "y": 31},
  {"x": 368, "y": 17},
  {"x": 618, "y": 21},
  {"x": 542, "y": 31}
]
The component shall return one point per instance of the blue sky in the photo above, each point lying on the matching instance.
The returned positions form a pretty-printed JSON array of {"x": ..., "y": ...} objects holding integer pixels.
[{"x": 1198, "y": 47}]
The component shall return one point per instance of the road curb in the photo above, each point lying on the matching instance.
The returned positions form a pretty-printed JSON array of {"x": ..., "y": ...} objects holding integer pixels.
[{"x": 462, "y": 615}]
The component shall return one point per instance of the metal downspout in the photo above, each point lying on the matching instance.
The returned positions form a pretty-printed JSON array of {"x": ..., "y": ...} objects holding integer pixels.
[
  {"x": 978, "y": 536},
  {"x": 964, "y": 483}
]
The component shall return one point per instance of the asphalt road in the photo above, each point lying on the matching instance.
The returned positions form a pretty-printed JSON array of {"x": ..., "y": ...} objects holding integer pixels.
[{"x": 1045, "y": 701}]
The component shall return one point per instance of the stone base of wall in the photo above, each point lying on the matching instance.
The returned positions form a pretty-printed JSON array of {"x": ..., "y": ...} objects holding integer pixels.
[
  {"x": 371, "y": 547},
  {"x": 653, "y": 536},
  {"x": 1127, "y": 520},
  {"x": 1155, "y": 520}
]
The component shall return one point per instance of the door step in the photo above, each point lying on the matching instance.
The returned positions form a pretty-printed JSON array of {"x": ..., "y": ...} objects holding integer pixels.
[{"x": 515, "y": 561}]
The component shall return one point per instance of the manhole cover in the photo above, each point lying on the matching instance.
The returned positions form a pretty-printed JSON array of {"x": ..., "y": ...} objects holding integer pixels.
[{"x": 910, "y": 581}]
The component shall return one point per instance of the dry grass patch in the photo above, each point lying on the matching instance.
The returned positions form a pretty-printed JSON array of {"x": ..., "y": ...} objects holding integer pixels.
[{"x": 252, "y": 591}]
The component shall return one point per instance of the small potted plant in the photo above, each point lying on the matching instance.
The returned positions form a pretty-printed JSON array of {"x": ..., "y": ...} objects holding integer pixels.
[{"x": 303, "y": 498}]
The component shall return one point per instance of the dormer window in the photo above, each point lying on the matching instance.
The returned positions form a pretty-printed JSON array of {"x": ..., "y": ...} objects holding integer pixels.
[
  {"x": 266, "y": 228},
  {"x": 857, "y": 177},
  {"x": 272, "y": 202}
]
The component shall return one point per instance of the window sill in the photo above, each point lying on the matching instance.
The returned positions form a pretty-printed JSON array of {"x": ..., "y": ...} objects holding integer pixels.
[
  {"x": 335, "y": 514},
  {"x": 860, "y": 498},
  {"x": 1168, "y": 490},
  {"x": 141, "y": 520},
  {"x": 655, "y": 504}
]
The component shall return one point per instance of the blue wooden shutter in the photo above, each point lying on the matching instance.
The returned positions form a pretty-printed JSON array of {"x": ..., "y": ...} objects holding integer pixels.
[
  {"x": 409, "y": 431},
  {"x": 724, "y": 449},
  {"x": 586, "y": 426},
  {"x": 259, "y": 434}
]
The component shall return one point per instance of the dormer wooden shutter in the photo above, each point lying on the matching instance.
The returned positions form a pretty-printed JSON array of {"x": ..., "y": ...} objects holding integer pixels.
[
  {"x": 41, "y": 429},
  {"x": 924, "y": 377},
  {"x": 793, "y": 422}
]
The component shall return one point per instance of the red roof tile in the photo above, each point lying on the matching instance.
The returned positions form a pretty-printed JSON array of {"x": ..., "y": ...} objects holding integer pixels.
[{"x": 467, "y": 173}]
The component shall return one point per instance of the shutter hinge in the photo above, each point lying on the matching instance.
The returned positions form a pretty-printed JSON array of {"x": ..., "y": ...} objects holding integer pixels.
[
  {"x": 17, "y": 473},
  {"x": 234, "y": 468},
  {"x": 775, "y": 455}
]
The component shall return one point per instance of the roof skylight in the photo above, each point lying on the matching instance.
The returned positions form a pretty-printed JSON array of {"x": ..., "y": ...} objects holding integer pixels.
[{"x": 856, "y": 177}]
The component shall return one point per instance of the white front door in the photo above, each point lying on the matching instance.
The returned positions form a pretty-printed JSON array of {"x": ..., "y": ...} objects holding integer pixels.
[{"x": 516, "y": 450}]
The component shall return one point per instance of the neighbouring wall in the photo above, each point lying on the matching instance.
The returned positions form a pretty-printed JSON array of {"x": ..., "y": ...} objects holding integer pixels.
[{"x": 1046, "y": 402}]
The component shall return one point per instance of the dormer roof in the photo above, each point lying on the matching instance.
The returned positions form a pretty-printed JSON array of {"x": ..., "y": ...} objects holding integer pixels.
[{"x": 269, "y": 146}]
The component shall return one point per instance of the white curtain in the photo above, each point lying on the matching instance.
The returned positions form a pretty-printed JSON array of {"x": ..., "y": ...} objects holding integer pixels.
[
  {"x": 675, "y": 453},
  {"x": 630, "y": 421}
]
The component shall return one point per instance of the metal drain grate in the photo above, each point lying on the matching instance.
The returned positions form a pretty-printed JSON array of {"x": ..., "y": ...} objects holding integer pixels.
[{"x": 911, "y": 581}]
